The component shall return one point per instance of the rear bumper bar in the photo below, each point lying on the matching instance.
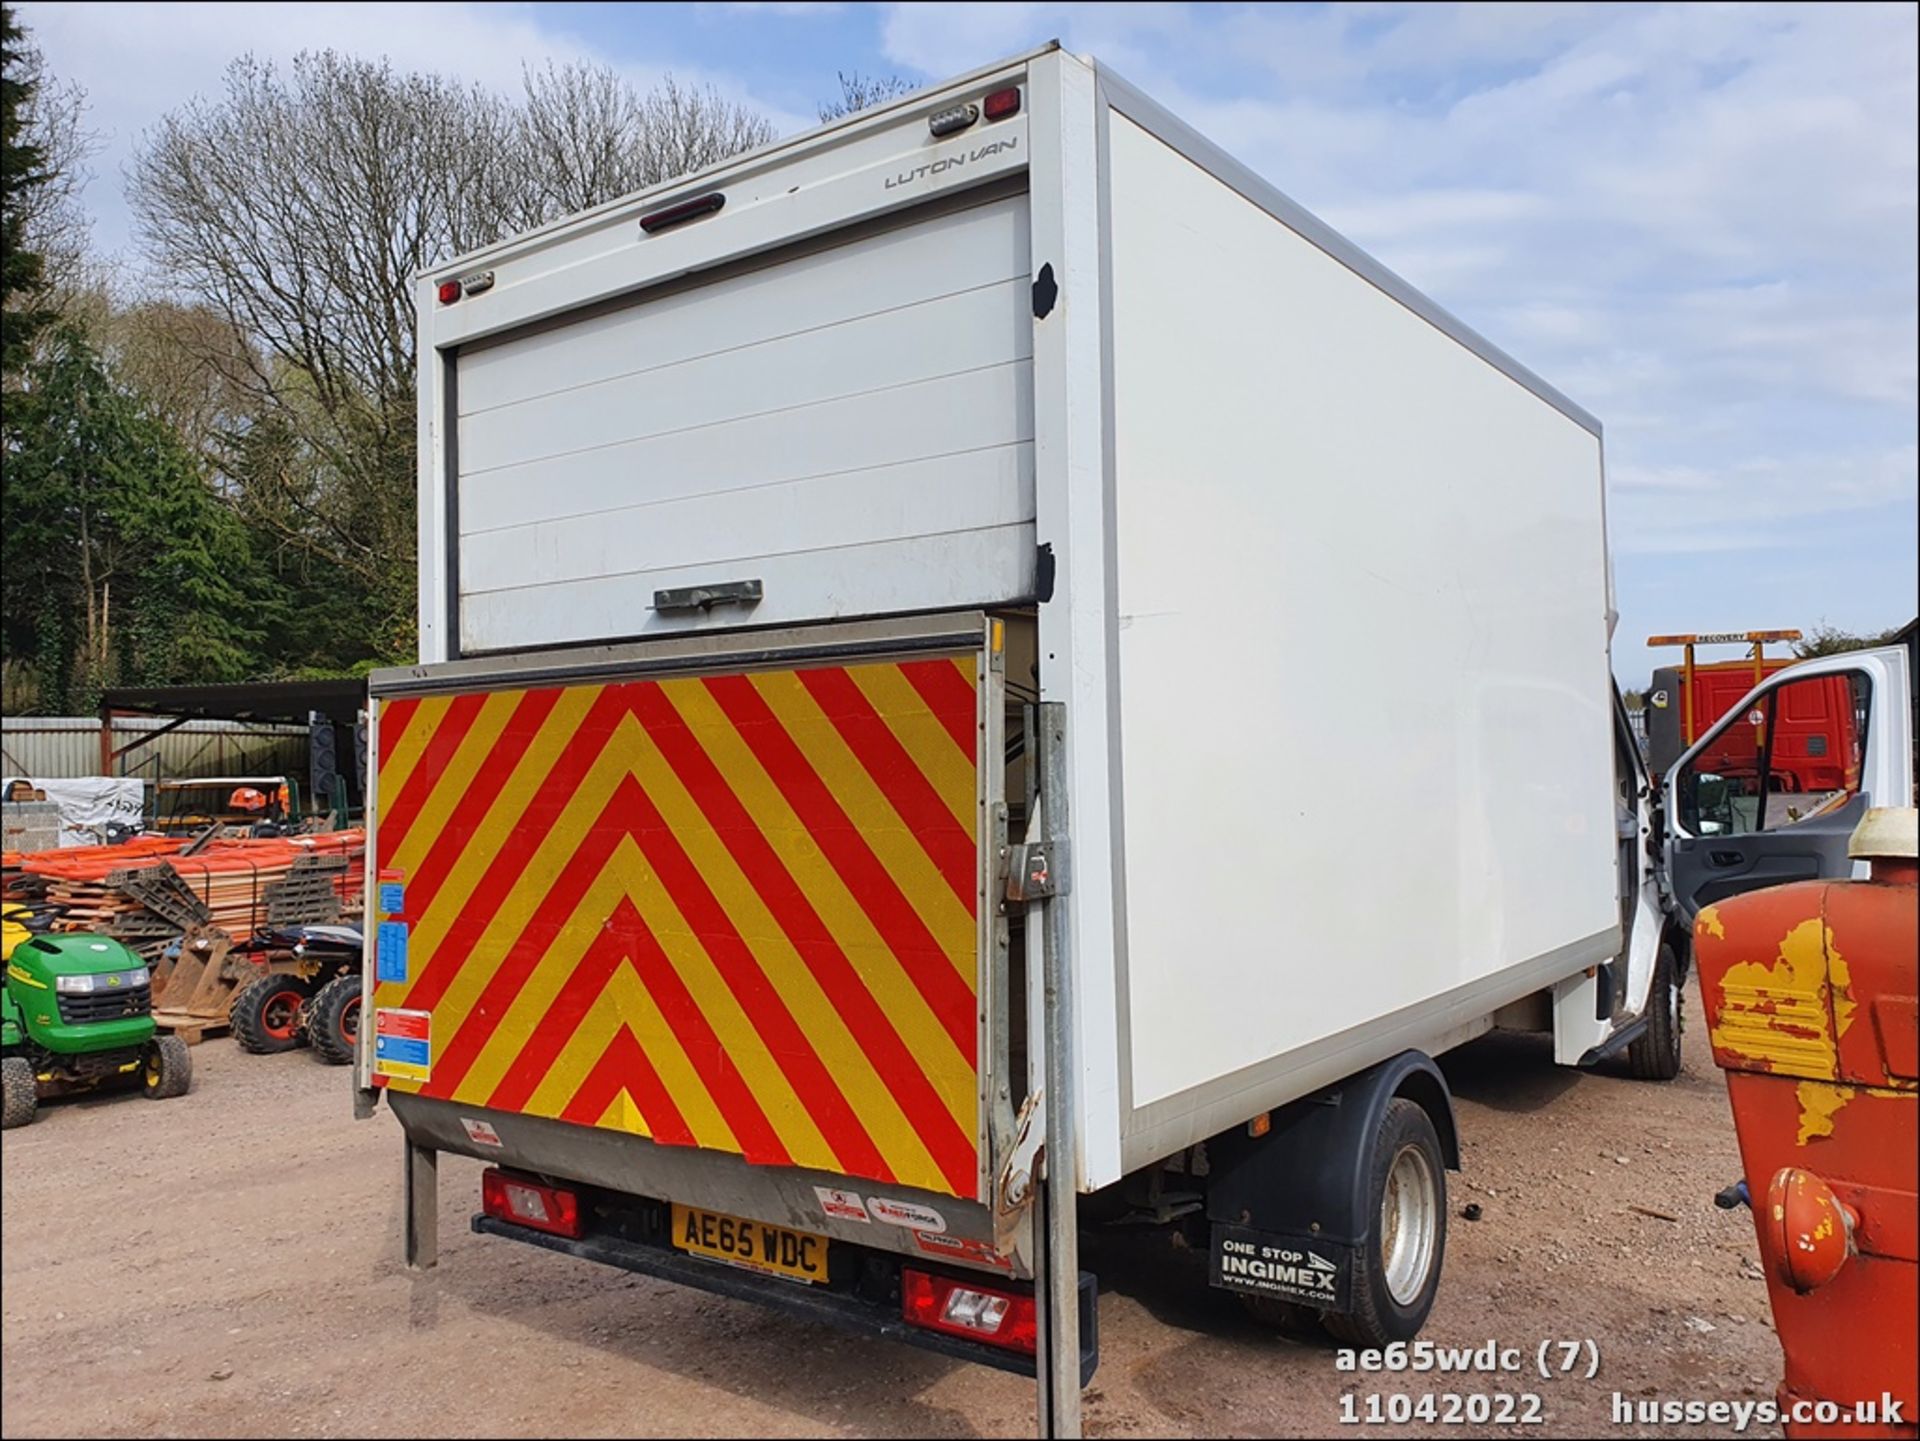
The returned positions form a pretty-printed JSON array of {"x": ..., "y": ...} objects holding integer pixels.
[{"x": 847, "y": 1311}]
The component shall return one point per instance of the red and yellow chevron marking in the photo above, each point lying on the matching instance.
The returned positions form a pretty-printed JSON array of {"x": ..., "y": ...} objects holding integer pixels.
[{"x": 736, "y": 911}]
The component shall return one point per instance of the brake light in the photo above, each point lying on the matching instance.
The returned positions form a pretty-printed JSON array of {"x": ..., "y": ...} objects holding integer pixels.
[
  {"x": 679, "y": 214},
  {"x": 528, "y": 1203},
  {"x": 1002, "y": 103},
  {"x": 1006, "y": 1319}
]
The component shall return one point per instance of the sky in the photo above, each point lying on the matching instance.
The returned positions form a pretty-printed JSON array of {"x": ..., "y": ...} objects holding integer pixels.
[{"x": 1698, "y": 221}]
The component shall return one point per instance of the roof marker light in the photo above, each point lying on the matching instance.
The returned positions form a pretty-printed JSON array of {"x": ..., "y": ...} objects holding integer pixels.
[
  {"x": 953, "y": 119},
  {"x": 449, "y": 291}
]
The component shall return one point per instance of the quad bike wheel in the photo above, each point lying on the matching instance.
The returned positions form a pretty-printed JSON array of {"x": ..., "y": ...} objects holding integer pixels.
[
  {"x": 333, "y": 1020},
  {"x": 266, "y": 1015}
]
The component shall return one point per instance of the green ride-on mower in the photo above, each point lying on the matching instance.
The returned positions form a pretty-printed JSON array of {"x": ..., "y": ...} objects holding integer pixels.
[{"x": 77, "y": 1015}]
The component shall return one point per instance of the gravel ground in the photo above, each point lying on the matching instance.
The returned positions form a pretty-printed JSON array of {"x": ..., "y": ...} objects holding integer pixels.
[{"x": 227, "y": 1265}]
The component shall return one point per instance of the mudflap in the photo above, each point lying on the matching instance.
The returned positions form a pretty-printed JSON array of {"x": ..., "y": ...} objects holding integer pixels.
[
  {"x": 1289, "y": 1208},
  {"x": 1302, "y": 1269}
]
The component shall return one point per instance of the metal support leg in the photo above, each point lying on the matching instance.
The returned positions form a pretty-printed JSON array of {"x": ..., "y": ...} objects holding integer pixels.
[
  {"x": 1059, "y": 1284},
  {"x": 423, "y": 1207}
]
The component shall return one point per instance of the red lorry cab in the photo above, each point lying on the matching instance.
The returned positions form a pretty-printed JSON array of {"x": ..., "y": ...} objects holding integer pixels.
[{"x": 1815, "y": 742}]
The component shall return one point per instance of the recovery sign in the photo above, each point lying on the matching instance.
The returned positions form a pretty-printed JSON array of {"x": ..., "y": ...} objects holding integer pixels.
[{"x": 735, "y": 911}]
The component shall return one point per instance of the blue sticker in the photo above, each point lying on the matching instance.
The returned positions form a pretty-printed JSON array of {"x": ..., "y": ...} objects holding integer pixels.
[
  {"x": 393, "y": 898},
  {"x": 390, "y": 951},
  {"x": 400, "y": 1055}
]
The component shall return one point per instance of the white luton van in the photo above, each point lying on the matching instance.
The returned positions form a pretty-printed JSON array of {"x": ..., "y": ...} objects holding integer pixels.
[{"x": 976, "y": 660}]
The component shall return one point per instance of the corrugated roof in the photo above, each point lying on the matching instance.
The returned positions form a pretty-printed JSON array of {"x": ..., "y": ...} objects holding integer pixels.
[{"x": 257, "y": 701}]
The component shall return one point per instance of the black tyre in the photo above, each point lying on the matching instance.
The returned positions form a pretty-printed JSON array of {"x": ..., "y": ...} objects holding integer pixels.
[
  {"x": 21, "y": 1093},
  {"x": 1655, "y": 1056},
  {"x": 1397, "y": 1271},
  {"x": 169, "y": 1068},
  {"x": 266, "y": 1015},
  {"x": 333, "y": 1021}
]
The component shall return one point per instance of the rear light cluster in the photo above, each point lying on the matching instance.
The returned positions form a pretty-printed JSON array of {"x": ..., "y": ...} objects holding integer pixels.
[
  {"x": 955, "y": 118},
  {"x": 452, "y": 290},
  {"x": 1006, "y": 1319},
  {"x": 526, "y": 1202}
]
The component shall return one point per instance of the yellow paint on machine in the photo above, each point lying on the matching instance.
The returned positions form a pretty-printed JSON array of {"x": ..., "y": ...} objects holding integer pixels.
[
  {"x": 1777, "y": 1014},
  {"x": 1820, "y": 1102}
]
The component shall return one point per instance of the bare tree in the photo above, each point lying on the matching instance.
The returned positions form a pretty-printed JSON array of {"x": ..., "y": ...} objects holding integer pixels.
[
  {"x": 862, "y": 92},
  {"x": 190, "y": 368},
  {"x": 297, "y": 208},
  {"x": 300, "y": 207},
  {"x": 586, "y": 136},
  {"x": 53, "y": 223},
  {"x": 683, "y": 130}
]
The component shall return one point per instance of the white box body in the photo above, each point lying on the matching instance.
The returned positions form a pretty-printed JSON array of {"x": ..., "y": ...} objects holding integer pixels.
[{"x": 1320, "y": 576}]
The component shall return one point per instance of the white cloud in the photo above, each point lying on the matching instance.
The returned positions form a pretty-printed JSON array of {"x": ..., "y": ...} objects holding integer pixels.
[
  {"x": 138, "y": 61},
  {"x": 944, "y": 39},
  {"x": 1772, "y": 489},
  {"x": 1698, "y": 221},
  {"x": 797, "y": 8}
]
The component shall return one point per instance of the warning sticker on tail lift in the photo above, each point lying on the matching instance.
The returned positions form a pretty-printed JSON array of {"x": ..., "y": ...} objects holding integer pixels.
[
  {"x": 481, "y": 1133},
  {"x": 841, "y": 1205},
  {"x": 403, "y": 1044},
  {"x": 1292, "y": 1268}
]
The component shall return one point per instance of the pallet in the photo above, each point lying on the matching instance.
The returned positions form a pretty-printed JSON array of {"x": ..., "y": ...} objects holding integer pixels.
[
  {"x": 309, "y": 893},
  {"x": 189, "y": 1027}
]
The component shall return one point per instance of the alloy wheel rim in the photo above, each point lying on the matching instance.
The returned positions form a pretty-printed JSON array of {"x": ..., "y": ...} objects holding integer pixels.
[{"x": 1409, "y": 1224}]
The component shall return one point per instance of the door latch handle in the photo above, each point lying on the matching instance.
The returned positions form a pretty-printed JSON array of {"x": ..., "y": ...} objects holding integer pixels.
[
  {"x": 1724, "y": 858},
  {"x": 706, "y": 597}
]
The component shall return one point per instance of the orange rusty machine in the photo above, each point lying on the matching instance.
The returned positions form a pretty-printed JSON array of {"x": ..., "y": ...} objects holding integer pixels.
[{"x": 1810, "y": 1002}]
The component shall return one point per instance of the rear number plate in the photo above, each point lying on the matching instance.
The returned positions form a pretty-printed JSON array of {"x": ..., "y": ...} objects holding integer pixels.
[{"x": 751, "y": 1244}]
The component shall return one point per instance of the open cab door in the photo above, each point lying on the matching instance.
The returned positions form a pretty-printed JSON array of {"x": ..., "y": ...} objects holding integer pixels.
[{"x": 1772, "y": 791}]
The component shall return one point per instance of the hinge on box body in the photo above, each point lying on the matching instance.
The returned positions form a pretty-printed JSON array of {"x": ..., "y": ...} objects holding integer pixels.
[
  {"x": 1013, "y": 1187},
  {"x": 1037, "y": 870}
]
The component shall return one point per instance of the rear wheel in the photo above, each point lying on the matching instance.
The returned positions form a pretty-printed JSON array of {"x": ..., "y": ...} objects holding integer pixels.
[
  {"x": 1397, "y": 1271},
  {"x": 266, "y": 1014},
  {"x": 333, "y": 1021},
  {"x": 22, "y": 1093},
  {"x": 169, "y": 1068},
  {"x": 1655, "y": 1056}
]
